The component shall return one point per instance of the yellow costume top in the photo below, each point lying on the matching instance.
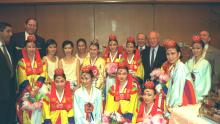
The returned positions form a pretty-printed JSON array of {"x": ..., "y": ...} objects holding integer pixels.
[
  {"x": 125, "y": 102},
  {"x": 100, "y": 65},
  {"x": 56, "y": 109}
]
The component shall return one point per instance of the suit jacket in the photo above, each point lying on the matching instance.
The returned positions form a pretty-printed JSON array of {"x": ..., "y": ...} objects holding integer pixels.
[
  {"x": 7, "y": 82},
  {"x": 213, "y": 56},
  {"x": 159, "y": 60},
  {"x": 17, "y": 42}
]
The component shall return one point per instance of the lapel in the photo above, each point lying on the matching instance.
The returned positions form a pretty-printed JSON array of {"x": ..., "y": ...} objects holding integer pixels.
[
  {"x": 157, "y": 56},
  {"x": 2, "y": 56}
]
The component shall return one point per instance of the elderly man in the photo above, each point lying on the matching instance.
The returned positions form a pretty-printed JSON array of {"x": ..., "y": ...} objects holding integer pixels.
[
  {"x": 213, "y": 56},
  {"x": 141, "y": 41},
  {"x": 17, "y": 41},
  {"x": 154, "y": 55}
]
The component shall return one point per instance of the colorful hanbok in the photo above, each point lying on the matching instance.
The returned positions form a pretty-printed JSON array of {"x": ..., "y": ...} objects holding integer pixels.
[
  {"x": 109, "y": 58},
  {"x": 58, "y": 109},
  {"x": 201, "y": 73},
  {"x": 100, "y": 65},
  {"x": 122, "y": 102},
  {"x": 81, "y": 99},
  {"x": 31, "y": 76},
  {"x": 180, "y": 87}
]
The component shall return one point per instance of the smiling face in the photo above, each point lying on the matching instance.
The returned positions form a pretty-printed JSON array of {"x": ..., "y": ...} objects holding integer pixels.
[
  {"x": 149, "y": 96},
  {"x": 172, "y": 55},
  {"x": 113, "y": 46},
  {"x": 153, "y": 39},
  {"x": 31, "y": 26},
  {"x": 68, "y": 50},
  {"x": 93, "y": 50},
  {"x": 141, "y": 40},
  {"x": 31, "y": 48},
  {"x": 81, "y": 46},
  {"x": 197, "y": 49},
  {"x": 60, "y": 83},
  {"x": 130, "y": 48},
  {"x": 122, "y": 74},
  {"x": 204, "y": 35},
  {"x": 86, "y": 79},
  {"x": 52, "y": 49}
]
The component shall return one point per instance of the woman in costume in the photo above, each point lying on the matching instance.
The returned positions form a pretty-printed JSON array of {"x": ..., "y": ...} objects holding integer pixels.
[
  {"x": 31, "y": 74},
  {"x": 113, "y": 56},
  {"x": 180, "y": 88},
  {"x": 58, "y": 105},
  {"x": 95, "y": 60},
  {"x": 70, "y": 64},
  {"x": 132, "y": 57},
  {"x": 88, "y": 99},
  {"x": 200, "y": 69},
  {"x": 51, "y": 59},
  {"x": 150, "y": 107},
  {"x": 81, "y": 50},
  {"x": 122, "y": 98}
]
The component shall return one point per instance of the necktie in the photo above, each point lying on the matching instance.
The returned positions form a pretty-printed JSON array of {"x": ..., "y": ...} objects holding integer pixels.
[
  {"x": 152, "y": 58},
  {"x": 7, "y": 58}
]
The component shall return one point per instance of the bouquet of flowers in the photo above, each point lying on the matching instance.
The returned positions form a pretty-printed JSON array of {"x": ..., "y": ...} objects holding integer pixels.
[
  {"x": 159, "y": 75},
  {"x": 113, "y": 118},
  {"x": 156, "y": 119},
  {"x": 111, "y": 68}
]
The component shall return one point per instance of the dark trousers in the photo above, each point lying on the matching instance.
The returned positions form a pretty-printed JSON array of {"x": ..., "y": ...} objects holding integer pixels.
[{"x": 7, "y": 112}]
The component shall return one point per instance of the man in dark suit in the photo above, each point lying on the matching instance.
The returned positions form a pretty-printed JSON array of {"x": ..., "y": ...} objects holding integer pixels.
[
  {"x": 141, "y": 41},
  {"x": 153, "y": 56},
  {"x": 17, "y": 41},
  {"x": 212, "y": 54},
  {"x": 7, "y": 77}
]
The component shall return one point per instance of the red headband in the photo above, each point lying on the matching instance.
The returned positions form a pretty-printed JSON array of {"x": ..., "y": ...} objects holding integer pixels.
[
  {"x": 130, "y": 40},
  {"x": 31, "y": 38},
  {"x": 170, "y": 44},
  {"x": 196, "y": 38},
  {"x": 149, "y": 84},
  {"x": 59, "y": 72},
  {"x": 112, "y": 38}
]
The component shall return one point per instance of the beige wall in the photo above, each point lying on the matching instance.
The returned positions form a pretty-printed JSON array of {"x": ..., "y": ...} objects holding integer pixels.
[{"x": 90, "y": 21}]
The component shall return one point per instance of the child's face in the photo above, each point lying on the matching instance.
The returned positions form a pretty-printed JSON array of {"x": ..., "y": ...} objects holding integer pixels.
[
  {"x": 68, "y": 50},
  {"x": 52, "y": 49},
  {"x": 60, "y": 82},
  {"x": 149, "y": 96},
  {"x": 122, "y": 75},
  {"x": 86, "y": 79}
]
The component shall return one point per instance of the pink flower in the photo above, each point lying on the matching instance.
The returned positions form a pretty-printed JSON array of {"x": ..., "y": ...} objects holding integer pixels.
[
  {"x": 164, "y": 78},
  {"x": 155, "y": 73},
  {"x": 111, "y": 68}
]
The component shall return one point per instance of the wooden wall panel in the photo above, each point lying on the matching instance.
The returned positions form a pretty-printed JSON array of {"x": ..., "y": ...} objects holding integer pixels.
[
  {"x": 122, "y": 20},
  {"x": 66, "y": 22},
  {"x": 180, "y": 22},
  {"x": 16, "y": 15}
]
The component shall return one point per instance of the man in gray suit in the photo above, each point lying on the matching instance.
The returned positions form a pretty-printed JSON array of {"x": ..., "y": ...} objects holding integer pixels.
[{"x": 212, "y": 54}]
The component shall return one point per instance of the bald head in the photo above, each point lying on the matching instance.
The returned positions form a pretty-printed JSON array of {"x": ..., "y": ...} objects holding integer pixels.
[
  {"x": 205, "y": 36},
  {"x": 153, "y": 39},
  {"x": 141, "y": 40}
]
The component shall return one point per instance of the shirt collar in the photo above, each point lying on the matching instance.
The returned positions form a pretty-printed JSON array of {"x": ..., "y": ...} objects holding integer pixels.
[{"x": 155, "y": 49}]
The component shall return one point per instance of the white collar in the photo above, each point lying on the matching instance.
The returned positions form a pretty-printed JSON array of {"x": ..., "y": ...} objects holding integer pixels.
[
  {"x": 60, "y": 97},
  {"x": 155, "y": 49},
  {"x": 123, "y": 87},
  {"x": 1, "y": 43}
]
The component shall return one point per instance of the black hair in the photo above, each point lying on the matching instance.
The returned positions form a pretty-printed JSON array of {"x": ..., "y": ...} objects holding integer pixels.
[
  {"x": 201, "y": 43},
  {"x": 90, "y": 73},
  {"x": 95, "y": 44},
  {"x": 155, "y": 92},
  {"x": 64, "y": 76},
  {"x": 27, "y": 41},
  {"x": 126, "y": 68},
  {"x": 67, "y": 42},
  {"x": 50, "y": 42},
  {"x": 113, "y": 40},
  {"x": 3, "y": 25},
  {"x": 30, "y": 18},
  {"x": 81, "y": 40}
]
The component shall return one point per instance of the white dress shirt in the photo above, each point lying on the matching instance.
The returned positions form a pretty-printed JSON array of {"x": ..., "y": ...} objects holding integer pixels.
[{"x": 155, "y": 52}]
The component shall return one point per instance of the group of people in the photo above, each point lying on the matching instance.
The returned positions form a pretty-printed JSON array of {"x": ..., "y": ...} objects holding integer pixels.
[{"x": 139, "y": 82}]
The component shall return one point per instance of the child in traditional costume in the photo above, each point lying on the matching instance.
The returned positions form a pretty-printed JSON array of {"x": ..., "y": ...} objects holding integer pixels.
[
  {"x": 58, "y": 105},
  {"x": 31, "y": 74},
  {"x": 95, "y": 60},
  {"x": 150, "y": 107},
  {"x": 88, "y": 99},
  {"x": 122, "y": 98}
]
